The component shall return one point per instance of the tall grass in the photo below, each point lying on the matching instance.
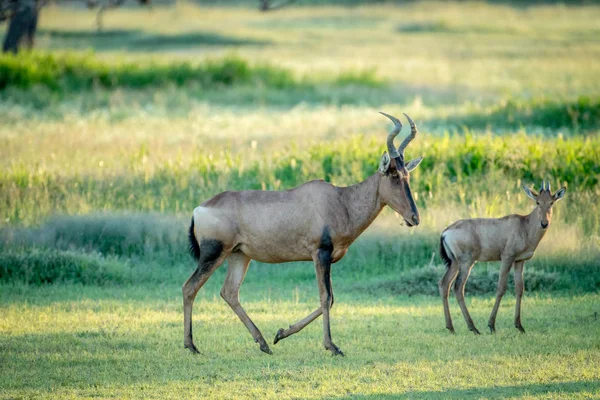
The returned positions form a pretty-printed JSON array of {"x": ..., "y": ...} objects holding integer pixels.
[
  {"x": 459, "y": 169},
  {"x": 73, "y": 72},
  {"x": 125, "y": 248}
]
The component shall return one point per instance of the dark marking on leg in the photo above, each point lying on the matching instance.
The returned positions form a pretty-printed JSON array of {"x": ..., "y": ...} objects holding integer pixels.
[
  {"x": 323, "y": 269},
  {"x": 210, "y": 250},
  {"x": 326, "y": 243}
]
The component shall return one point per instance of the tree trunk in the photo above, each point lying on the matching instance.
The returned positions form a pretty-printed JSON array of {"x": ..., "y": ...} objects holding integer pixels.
[{"x": 22, "y": 26}]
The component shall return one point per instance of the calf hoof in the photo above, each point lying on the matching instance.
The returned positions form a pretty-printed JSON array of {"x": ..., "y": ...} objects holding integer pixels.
[
  {"x": 475, "y": 331},
  {"x": 191, "y": 348},
  {"x": 451, "y": 329},
  {"x": 334, "y": 350},
  {"x": 520, "y": 328},
  {"x": 279, "y": 336}
]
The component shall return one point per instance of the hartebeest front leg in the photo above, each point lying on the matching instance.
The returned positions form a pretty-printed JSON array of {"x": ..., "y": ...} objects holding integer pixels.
[
  {"x": 322, "y": 261},
  {"x": 238, "y": 266},
  {"x": 507, "y": 263},
  {"x": 519, "y": 288},
  {"x": 298, "y": 326}
]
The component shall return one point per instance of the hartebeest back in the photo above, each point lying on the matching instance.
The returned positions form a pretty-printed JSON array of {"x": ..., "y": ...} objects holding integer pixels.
[
  {"x": 316, "y": 221},
  {"x": 511, "y": 239}
]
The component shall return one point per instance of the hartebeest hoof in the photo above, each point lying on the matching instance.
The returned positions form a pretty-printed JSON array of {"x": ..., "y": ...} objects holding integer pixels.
[
  {"x": 450, "y": 329},
  {"x": 264, "y": 347},
  {"x": 279, "y": 336},
  {"x": 335, "y": 350},
  {"x": 492, "y": 328},
  {"x": 520, "y": 328},
  {"x": 192, "y": 348},
  {"x": 475, "y": 331}
]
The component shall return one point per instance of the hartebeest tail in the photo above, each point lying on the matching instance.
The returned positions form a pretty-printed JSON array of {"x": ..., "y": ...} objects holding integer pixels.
[
  {"x": 314, "y": 222},
  {"x": 194, "y": 245},
  {"x": 512, "y": 239},
  {"x": 444, "y": 254}
]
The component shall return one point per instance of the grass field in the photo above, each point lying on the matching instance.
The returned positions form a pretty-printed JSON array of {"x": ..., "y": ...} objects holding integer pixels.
[
  {"x": 109, "y": 140},
  {"x": 126, "y": 342}
]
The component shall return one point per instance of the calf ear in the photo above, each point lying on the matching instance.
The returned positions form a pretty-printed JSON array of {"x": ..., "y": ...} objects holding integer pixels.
[
  {"x": 384, "y": 164},
  {"x": 530, "y": 193},
  {"x": 560, "y": 193},
  {"x": 412, "y": 164}
]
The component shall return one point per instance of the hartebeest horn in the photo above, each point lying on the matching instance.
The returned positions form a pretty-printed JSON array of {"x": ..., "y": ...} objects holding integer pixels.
[
  {"x": 392, "y": 135},
  {"x": 413, "y": 134},
  {"x": 542, "y": 186},
  {"x": 548, "y": 186}
]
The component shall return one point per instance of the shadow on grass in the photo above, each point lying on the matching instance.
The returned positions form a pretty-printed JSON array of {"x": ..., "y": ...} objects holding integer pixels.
[
  {"x": 325, "y": 22},
  {"x": 445, "y": 28},
  {"x": 138, "y": 40},
  {"x": 579, "y": 116},
  {"x": 496, "y": 392}
]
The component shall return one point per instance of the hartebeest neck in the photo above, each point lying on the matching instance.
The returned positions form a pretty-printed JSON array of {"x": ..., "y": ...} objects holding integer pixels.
[
  {"x": 362, "y": 203},
  {"x": 535, "y": 233}
]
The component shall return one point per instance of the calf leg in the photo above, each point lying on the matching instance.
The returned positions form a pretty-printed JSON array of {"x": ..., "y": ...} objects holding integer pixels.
[
  {"x": 519, "y": 288},
  {"x": 459, "y": 292},
  {"x": 238, "y": 265},
  {"x": 500, "y": 290},
  {"x": 211, "y": 257},
  {"x": 444, "y": 286}
]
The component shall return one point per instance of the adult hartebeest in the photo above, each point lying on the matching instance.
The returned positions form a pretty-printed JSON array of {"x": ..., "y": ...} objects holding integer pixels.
[
  {"x": 315, "y": 221},
  {"x": 511, "y": 239}
]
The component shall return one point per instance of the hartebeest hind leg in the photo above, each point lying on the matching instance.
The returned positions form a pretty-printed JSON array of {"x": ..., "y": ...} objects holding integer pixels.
[
  {"x": 500, "y": 290},
  {"x": 444, "y": 286},
  {"x": 211, "y": 257},
  {"x": 519, "y": 288},
  {"x": 238, "y": 265},
  {"x": 459, "y": 292}
]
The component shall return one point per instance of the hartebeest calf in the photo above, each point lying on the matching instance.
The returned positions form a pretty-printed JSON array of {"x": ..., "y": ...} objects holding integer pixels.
[
  {"x": 511, "y": 239},
  {"x": 315, "y": 221}
]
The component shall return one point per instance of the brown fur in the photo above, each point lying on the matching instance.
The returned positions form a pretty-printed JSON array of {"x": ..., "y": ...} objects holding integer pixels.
[
  {"x": 512, "y": 239},
  {"x": 316, "y": 221}
]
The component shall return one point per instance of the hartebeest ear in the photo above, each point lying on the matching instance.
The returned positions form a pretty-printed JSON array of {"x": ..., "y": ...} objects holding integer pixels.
[
  {"x": 412, "y": 164},
  {"x": 384, "y": 164},
  {"x": 560, "y": 193},
  {"x": 530, "y": 193}
]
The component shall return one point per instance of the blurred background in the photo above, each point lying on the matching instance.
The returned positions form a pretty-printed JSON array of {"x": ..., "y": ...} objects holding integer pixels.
[{"x": 118, "y": 118}]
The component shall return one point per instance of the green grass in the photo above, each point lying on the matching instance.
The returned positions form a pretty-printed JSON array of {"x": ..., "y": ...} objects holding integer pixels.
[
  {"x": 73, "y": 72},
  {"x": 104, "y": 154},
  {"x": 68, "y": 341},
  {"x": 465, "y": 170}
]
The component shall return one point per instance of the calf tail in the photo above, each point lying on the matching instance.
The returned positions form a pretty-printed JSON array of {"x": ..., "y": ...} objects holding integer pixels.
[
  {"x": 194, "y": 246},
  {"x": 444, "y": 254}
]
